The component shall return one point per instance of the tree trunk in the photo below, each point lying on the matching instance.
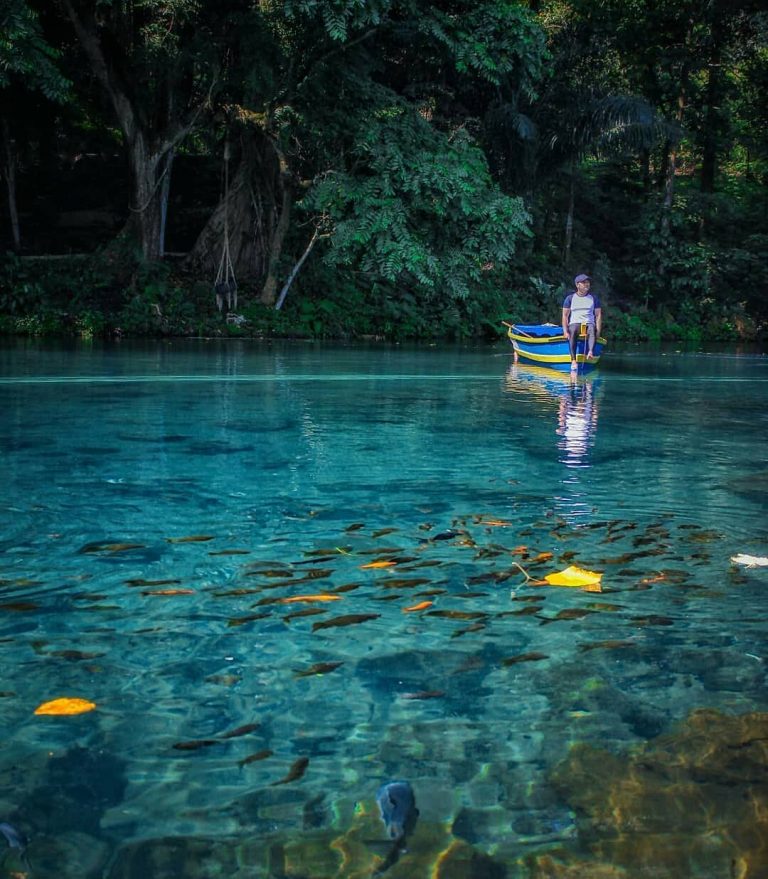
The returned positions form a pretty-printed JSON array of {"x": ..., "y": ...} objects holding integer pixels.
[
  {"x": 165, "y": 191},
  {"x": 247, "y": 207},
  {"x": 145, "y": 220},
  {"x": 713, "y": 118},
  {"x": 269, "y": 290},
  {"x": 569, "y": 216},
  {"x": 9, "y": 172}
]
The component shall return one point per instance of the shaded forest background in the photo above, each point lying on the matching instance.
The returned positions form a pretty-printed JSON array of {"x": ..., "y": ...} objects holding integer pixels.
[{"x": 389, "y": 168}]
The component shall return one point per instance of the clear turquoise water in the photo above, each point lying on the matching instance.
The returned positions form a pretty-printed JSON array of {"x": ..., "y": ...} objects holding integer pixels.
[{"x": 301, "y": 464}]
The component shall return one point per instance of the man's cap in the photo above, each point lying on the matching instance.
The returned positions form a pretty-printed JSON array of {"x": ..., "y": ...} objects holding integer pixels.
[{"x": 581, "y": 278}]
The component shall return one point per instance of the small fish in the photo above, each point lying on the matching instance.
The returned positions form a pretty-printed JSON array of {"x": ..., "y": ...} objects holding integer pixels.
[
  {"x": 379, "y": 563},
  {"x": 253, "y": 758},
  {"x": 294, "y": 599},
  {"x": 653, "y": 620},
  {"x": 397, "y": 807},
  {"x": 457, "y": 614},
  {"x": 168, "y": 592},
  {"x": 403, "y": 582},
  {"x": 110, "y": 547},
  {"x": 296, "y": 771},
  {"x": 138, "y": 581},
  {"x": 20, "y": 606},
  {"x": 570, "y": 613},
  {"x": 450, "y": 534},
  {"x": 241, "y": 731},
  {"x": 192, "y": 538},
  {"x": 231, "y": 552},
  {"x": 424, "y": 694},
  {"x": 494, "y": 523},
  {"x": 240, "y": 621},
  {"x": 382, "y": 531},
  {"x": 475, "y": 627},
  {"x": 528, "y": 611},
  {"x": 605, "y": 645},
  {"x": 422, "y": 605},
  {"x": 347, "y": 620},
  {"x": 307, "y": 612},
  {"x": 524, "y": 657},
  {"x": 194, "y": 745},
  {"x": 355, "y": 526},
  {"x": 75, "y": 655},
  {"x": 347, "y": 587},
  {"x": 319, "y": 668}
]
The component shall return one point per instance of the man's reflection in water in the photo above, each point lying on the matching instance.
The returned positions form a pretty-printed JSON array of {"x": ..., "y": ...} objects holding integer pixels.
[{"x": 577, "y": 422}]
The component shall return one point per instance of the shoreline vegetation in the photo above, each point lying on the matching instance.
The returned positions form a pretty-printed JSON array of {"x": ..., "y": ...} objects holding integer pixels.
[{"x": 387, "y": 169}]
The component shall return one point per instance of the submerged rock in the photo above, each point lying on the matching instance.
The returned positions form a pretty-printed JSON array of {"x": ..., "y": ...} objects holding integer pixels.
[{"x": 690, "y": 803}]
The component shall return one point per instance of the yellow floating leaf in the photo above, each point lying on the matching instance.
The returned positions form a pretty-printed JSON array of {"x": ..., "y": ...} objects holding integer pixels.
[
  {"x": 576, "y": 577},
  {"x": 65, "y": 706},
  {"x": 298, "y": 598},
  {"x": 380, "y": 563}
]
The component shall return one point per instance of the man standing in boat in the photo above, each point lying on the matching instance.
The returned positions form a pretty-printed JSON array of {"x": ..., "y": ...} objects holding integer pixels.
[{"x": 581, "y": 307}]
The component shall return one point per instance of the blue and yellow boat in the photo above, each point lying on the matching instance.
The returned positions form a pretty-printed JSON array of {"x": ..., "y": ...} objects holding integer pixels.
[{"x": 545, "y": 345}]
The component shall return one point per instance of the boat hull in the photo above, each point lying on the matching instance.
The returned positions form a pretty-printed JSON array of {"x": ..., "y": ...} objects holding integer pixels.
[{"x": 545, "y": 345}]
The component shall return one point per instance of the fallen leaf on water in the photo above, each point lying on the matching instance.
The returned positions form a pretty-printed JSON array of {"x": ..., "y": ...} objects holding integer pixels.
[
  {"x": 749, "y": 561},
  {"x": 576, "y": 577},
  {"x": 380, "y": 563},
  {"x": 422, "y": 605},
  {"x": 65, "y": 706}
]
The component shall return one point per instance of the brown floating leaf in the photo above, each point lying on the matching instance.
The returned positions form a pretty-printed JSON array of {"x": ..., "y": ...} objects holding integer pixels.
[
  {"x": 347, "y": 620},
  {"x": 319, "y": 668},
  {"x": 295, "y": 772},
  {"x": 252, "y": 758},
  {"x": 524, "y": 657},
  {"x": 241, "y": 731}
]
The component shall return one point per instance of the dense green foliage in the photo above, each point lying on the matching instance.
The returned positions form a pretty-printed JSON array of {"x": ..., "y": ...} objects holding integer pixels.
[{"x": 388, "y": 168}]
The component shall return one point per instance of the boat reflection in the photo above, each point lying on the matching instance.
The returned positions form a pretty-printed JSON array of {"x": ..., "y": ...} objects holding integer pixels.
[{"x": 575, "y": 398}]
